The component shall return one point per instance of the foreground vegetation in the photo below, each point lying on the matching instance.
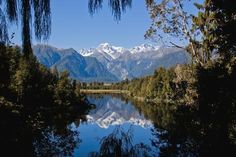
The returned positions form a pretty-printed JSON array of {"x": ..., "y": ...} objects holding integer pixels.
[
  {"x": 195, "y": 105},
  {"x": 34, "y": 102}
]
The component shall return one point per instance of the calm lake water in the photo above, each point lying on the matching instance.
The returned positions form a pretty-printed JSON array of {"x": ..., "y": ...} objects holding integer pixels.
[
  {"x": 111, "y": 113},
  {"x": 117, "y": 127}
]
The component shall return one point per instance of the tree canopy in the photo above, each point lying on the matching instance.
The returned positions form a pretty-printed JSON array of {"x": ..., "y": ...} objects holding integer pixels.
[
  {"x": 25, "y": 12},
  {"x": 209, "y": 32}
]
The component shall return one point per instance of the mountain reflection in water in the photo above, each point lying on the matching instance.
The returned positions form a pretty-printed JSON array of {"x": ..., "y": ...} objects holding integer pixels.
[
  {"x": 118, "y": 127},
  {"x": 111, "y": 113},
  {"x": 175, "y": 130}
]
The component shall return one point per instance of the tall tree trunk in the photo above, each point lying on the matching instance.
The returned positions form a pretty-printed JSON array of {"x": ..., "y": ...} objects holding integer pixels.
[{"x": 26, "y": 34}]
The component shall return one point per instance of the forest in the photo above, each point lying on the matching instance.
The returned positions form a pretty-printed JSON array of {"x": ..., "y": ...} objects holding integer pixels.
[
  {"x": 33, "y": 97},
  {"x": 195, "y": 102}
]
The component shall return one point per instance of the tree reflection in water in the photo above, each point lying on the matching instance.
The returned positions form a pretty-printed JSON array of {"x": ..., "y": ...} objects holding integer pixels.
[
  {"x": 43, "y": 132},
  {"x": 120, "y": 144},
  {"x": 179, "y": 130},
  {"x": 182, "y": 130},
  {"x": 206, "y": 128}
]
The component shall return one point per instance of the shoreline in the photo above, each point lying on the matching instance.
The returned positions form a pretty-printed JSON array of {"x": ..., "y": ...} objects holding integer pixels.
[
  {"x": 112, "y": 91},
  {"x": 103, "y": 91}
]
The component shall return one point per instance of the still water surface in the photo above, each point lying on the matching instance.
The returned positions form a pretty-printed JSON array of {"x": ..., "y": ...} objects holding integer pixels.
[
  {"x": 111, "y": 113},
  {"x": 118, "y": 127}
]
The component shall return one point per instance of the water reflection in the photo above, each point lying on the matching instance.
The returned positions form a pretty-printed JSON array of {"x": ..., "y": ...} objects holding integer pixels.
[
  {"x": 39, "y": 131},
  {"x": 182, "y": 130},
  {"x": 115, "y": 111},
  {"x": 119, "y": 127},
  {"x": 120, "y": 143},
  {"x": 112, "y": 111}
]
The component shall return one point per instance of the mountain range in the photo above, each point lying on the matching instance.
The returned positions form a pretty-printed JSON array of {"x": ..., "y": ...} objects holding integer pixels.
[
  {"x": 112, "y": 111},
  {"x": 108, "y": 63}
]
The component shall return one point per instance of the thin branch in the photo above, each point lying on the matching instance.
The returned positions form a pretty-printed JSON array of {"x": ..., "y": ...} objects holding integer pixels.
[{"x": 181, "y": 47}]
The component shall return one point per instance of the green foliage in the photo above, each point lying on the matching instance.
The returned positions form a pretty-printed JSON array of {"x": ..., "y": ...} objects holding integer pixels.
[
  {"x": 165, "y": 84},
  {"x": 170, "y": 18},
  {"x": 34, "y": 102},
  {"x": 216, "y": 20},
  {"x": 117, "y": 6},
  {"x": 200, "y": 121},
  {"x": 26, "y": 82},
  {"x": 217, "y": 99},
  {"x": 194, "y": 109},
  {"x": 205, "y": 127},
  {"x": 93, "y": 85},
  {"x": 120, "y": 144},
  {"x": 23, "y": 11},
  {"x": 37, "y": 13},
  {"x": 208, "y": 33},
  {"x": 64, "y": 90}
]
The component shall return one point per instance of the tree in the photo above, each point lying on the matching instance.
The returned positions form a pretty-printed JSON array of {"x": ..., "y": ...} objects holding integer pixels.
[
  {"x": 217, "y": 22},
  {"x": 9, "y": 59},
  {"x": 170, "y": 17},
  {"x": 24, "y": 11},
  {"x": 209, "y": 32},
  {"x": 64, "y": 90},
  {"x": 120, "y": 144},
  {"x": 117, "y": 6}
]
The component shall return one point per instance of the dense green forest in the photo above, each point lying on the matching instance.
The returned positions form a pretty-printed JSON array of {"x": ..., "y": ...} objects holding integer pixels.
[
  {"x": 32, "y": 99},
  {"x": 194, "y": 105},
  {"x": 211, "y": 43},
  {"x": 27, "y": 83},
  {"x": 201, "y": 95}
]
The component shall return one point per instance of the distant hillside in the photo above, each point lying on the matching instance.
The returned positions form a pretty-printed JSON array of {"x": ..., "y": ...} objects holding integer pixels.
[
  {"x": 79, "y": 67},
  {"x": 109, "y": 63}
]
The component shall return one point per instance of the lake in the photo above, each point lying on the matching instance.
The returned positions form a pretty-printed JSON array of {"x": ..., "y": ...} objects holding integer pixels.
[
  {"x": 111, "y": 113},
  {"x": 116, "y": 126}
]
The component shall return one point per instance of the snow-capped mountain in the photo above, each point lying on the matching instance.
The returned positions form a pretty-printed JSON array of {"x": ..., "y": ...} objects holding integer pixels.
[
  {"x": 137, "y": 61},
  {"x": 106, "y": 50},
  {"x": 113, "y": 111},
  {"x": 79, "y": 67},
  {"x": 144, "y": 48},
  {"x": 113, "y": 52},
  {"x": 110, "y": 63}
]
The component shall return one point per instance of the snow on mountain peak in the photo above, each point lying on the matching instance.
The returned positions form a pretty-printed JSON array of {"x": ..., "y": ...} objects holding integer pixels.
[
  {"x": 115, "y": 63},
  {"x": 86, "y": 52},
  {"x": 144, "y": 48},
  {"x": 107, "y": 50},
  {"x": 104, "y": 45},
  {"x": 110, "y": 48},
  {"x": 114, "y": 52},
  {"x": 116, "y": 119}
]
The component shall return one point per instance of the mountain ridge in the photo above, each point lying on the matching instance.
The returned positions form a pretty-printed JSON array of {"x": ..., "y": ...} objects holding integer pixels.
[{"x": 108, "y": 63}]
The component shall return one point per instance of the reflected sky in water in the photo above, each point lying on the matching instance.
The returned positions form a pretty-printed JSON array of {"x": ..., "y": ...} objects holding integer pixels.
[{"x": 110, "y": 113}]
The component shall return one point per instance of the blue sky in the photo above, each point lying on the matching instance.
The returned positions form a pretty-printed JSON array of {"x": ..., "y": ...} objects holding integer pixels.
[{"x": 74, "y": 27}]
